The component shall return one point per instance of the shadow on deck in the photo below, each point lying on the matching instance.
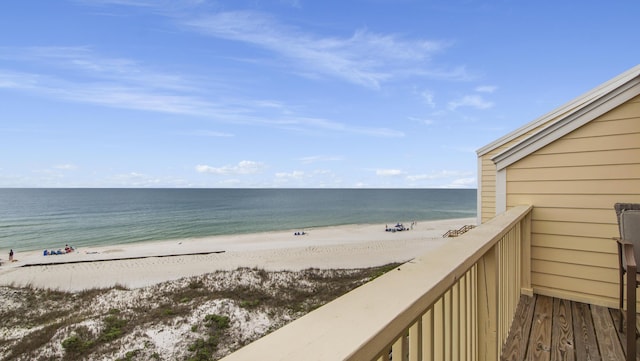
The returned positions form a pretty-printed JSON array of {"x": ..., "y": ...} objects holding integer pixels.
[{"x": 546, "y": 328}]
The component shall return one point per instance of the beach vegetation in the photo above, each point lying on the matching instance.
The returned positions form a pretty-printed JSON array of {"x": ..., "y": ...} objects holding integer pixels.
[
  {"x": 249, "y": 303},
  {"x": 130, "y": 355},
  {"x": 220, "y": 311},
  {"x": 38, "y": 338},
  {"x": 203, "y": 348},
  {"x": 382, "y": 270},
  {"x": 120, "y": 287},
  {"x": 113, "y": 328},
  {"x": 196, "y": 284},
  {"x": 80, "y": 341},
  {"x": 216, "y": 322}
]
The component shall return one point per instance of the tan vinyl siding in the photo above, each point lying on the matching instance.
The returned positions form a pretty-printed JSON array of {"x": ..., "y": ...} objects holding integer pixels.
[
  {"x": 572, "y": 184},
  {"x": 487, "y": 188},
  {"x": 488, "y": 175}
]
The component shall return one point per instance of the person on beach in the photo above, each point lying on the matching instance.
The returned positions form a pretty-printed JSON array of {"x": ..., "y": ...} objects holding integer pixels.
[{"x": 11, "y": 255}]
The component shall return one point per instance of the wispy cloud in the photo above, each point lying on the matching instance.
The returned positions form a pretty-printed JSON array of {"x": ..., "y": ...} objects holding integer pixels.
[
  {"x": 472, "y": 101},
  {"x": 469, "y": 182},
  {"x": 320, "y": 158},
  {"x": 438, "y": 175},
  {"x": 428, "y": 98},
  {"x": 389, "y": 172},
  {"x": 242, "y": 168},
  {"x": 83, "y": 64},
  {"x": 363, "y": 58},
  {"x": 117, "y": 2},
  {"x": 292, "y": 175},
  {"x": 84, "y": 77},
  {"x": 65, "y": 167},
  {"x": 425, "y": 121},
  {"x": 486, "y": 89}
]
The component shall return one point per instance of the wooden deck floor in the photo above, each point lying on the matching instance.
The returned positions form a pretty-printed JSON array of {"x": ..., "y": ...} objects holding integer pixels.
[{"x": 548, "y": 328}]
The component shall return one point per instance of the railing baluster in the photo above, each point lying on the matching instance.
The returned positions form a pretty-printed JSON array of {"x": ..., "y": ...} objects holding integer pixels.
[
  {"x": 427, "y": 336},
  {"x": 438, "y": 330}
]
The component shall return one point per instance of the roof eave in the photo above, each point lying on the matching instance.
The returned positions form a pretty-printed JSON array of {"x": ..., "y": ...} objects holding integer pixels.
[
  {"x": 595, "y": 108},
  {"x": 566, "y": 110}
]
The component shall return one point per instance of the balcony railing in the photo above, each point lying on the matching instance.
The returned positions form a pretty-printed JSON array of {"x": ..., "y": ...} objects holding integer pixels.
[{"x": 454, "y": 303}]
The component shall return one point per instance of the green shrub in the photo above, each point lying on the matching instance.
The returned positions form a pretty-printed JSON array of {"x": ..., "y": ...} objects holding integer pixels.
[
  {"x": 216, "y": 321},
  {"x": 203, "y": 349},
  {"x": 112, "y": 328},
  {"x": 167, "y": 312},
  {"x": 249, "y": 304},
  {"x": 76, "y": 345},
  {"x": 130, "y": 355}
]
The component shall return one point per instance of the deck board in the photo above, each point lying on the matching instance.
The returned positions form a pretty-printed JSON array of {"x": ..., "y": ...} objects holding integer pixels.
[
  {"x": 562, "y": 348},
  {"x": 540, "y": 338},
  {"x": 584, "y": 334},
  {"x": 546, "y": 328},
  {"x": 516, "y": 345},
  {"x": 608, "y": 341}
]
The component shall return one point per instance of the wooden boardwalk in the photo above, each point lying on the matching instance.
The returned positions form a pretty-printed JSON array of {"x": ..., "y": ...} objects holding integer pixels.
[{"x": 546, "y": 328}]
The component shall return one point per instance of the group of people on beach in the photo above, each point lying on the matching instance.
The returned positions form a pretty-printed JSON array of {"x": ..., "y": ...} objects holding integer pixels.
[
  {"x": 67, "y": 249},
  {"x": 399, "y": 227}
]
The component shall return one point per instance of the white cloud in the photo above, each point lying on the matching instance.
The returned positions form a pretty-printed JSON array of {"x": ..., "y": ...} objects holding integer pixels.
[
  {"x": 389, "y": 172},
  {"x": 464, "y": 183},
  {"x": 320, "y": 158},
  {"x": 486, "y": 89},
  {"x": 427, "y": 97},
  {"x": 65, "y": 167},
  {"x": 209, "y": 133},
  {"x": 443, "y": 174},
  {"x": 425, "y": 121},
  {"x": 472, "y": 101},
  {"x": 293, "y": 175},
  {"x": 243, "y": 167}
]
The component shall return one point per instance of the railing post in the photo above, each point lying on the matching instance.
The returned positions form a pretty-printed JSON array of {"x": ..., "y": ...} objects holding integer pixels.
[
  {"x": 525, "y": 244},
  {"x": 487, "y": 307}
]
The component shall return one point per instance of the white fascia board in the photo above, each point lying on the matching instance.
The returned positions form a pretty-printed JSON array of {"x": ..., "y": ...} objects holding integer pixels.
[
  {"x": 568, "y": 108},
  {"x": 568, "y": 124}
]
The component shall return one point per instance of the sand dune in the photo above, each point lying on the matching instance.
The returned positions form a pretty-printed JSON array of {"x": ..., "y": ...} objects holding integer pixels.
[{"x": 143, "y": 264}]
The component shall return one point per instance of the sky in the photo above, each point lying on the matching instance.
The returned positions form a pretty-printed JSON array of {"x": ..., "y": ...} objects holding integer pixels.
[{"x": 288, "y": 93}]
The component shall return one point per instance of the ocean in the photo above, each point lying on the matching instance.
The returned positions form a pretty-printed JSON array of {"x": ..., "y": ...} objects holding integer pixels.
[{"x": 33, "y": 219}]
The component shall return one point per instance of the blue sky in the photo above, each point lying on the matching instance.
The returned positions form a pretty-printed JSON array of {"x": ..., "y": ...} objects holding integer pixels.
[{"x": 288, "y": 93}]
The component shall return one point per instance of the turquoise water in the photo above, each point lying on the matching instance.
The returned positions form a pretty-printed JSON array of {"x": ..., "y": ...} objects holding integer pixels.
[{"x": 33, "y": 219}]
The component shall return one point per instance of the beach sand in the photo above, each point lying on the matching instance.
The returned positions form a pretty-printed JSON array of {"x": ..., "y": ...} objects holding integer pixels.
[{"x": 144, "y": 264}]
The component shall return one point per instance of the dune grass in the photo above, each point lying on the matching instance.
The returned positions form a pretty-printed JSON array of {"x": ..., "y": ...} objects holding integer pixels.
[{"x": 113, "y": 323}]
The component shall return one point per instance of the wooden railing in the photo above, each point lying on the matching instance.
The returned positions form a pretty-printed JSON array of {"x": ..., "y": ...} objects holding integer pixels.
[{"x": 454, "y": 303}]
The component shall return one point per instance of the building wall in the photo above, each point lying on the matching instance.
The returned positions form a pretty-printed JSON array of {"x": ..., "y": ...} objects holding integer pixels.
[
  {"x": 573, "y": 184},
  {"x": 487, "y": 188},
  {"x": 488, "y": 174}
]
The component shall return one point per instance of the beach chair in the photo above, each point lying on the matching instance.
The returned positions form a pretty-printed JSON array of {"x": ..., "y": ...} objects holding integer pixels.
[{"x": 628, "y": 215}]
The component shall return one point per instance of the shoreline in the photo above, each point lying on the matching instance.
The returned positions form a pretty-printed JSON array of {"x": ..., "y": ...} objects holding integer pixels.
[{"x": 143, "y": 264}]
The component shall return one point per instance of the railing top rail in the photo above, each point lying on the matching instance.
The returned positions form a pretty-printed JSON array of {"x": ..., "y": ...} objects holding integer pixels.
[{"x": 359, "y": 324}]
